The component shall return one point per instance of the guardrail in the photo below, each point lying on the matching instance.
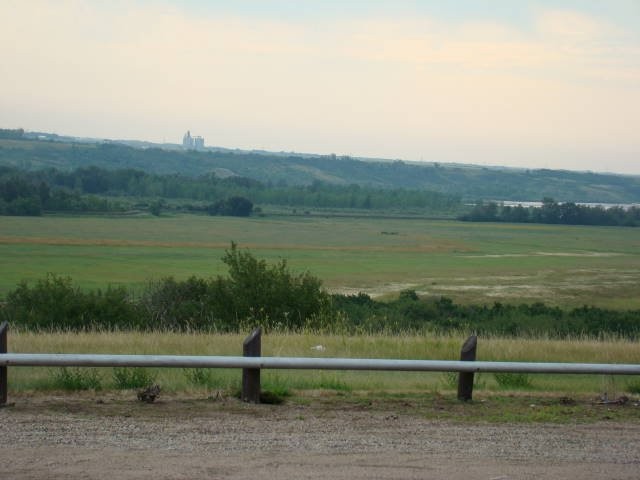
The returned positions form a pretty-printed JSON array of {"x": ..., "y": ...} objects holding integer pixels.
[
  {"x": 306, "y": 363},
  {"x": 252, "y": 363}
]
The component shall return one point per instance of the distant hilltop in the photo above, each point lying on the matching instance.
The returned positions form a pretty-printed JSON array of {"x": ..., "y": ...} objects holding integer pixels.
[{"x": 39, "y": 150}]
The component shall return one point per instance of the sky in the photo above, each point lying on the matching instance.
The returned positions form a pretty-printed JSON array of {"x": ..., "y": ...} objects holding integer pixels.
[{"x": 532, "y": 84}]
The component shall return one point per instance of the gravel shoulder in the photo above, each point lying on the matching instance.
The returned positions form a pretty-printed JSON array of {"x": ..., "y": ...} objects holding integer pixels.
[{"x": 75, "y": 436}]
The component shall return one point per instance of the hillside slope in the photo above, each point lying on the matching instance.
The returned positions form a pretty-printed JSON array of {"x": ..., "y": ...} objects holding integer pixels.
[{"x": 468, "y": 181}]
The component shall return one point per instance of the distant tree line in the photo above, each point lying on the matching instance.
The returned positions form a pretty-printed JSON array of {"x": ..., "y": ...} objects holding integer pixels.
[
  {"x": 552, "y": 212},
  {"x": 9, "y": 134},
  {"x": 23, "y": 195},
  {"x": 256, "y": 293},
  {"x": 31, "y": 192},
  {"x": 278, "y": 169}
]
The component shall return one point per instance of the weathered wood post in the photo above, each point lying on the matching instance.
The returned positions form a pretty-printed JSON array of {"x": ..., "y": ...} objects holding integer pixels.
[
  {"x": 3, "y": 370},
  {"x": 465, "y": 379},
  {"x": 251, "y": 347}
]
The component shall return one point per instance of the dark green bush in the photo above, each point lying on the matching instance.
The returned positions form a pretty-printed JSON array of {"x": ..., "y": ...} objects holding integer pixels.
[
  {"x": 513, "y": 380},
  {"x": 170, "y": 304},
  {"x": 257, "y": 293},
  {"x": 55, "y": 303},
  {"x": 269, "y": 295}
]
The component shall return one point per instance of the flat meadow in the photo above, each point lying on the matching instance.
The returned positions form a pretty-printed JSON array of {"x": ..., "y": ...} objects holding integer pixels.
[{"x": 566, "y": 266}]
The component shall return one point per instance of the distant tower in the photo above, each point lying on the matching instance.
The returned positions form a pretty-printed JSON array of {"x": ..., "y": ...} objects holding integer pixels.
[
  {"x": 190, "y": 143},
  {"x": 187, "y": 140}
]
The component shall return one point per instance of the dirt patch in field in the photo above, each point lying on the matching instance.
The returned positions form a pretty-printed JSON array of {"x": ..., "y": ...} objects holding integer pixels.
[
  {"x": 433, "y": 247},
  {"x": 544, "y": 284},
  {"x": 571, "y": 285},
  {"x": 63, "y": 437},
  {"x": 547, "y": 254},
  {"x": 374, "y": 292}
]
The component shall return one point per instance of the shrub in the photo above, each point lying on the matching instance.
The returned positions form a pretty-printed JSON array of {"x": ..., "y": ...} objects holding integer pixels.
[
  {"x": 234, "y": 206},
  {"x": 76, "y": 379},
  {"x": 198, "y": 376},
  {"x": 176, "y": 305},
  {"x": 513, "y": 380},
  {"x": 268, "y": 295},
  {"x": 202, "y": 377},
  {"x": 128, "y": 378},
  {"x": 55, "y": 303}
]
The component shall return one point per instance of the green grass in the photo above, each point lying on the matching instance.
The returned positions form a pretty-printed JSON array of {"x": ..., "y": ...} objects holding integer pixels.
[
  {"x": 633, "y": 386},
  {"x": 518, "y": 381},
  {"x": 542, "y": 398},
  {"x": 76, "y": 379},
  {"x": 561, "y": 265},
  {"x": 128, "y": 378},
  {"x": 199, "y": 376}
]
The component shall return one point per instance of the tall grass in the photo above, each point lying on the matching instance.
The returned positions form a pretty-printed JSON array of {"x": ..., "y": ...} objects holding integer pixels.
[{"x": 435, "y": 347}]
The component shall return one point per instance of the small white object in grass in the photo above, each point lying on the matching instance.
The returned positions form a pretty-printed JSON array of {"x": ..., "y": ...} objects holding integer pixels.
[{"x": 318, "y": 348}]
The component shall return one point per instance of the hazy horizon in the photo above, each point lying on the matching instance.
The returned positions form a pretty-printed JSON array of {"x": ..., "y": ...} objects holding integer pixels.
[
  {"x": 531, "y": 84},
  {"x": 178, "y": 143}
]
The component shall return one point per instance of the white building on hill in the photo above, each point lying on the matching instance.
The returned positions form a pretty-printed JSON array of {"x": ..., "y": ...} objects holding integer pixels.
[{"x": 192, "y": 143}]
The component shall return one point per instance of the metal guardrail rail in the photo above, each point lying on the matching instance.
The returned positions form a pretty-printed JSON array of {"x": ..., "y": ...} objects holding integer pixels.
[
  {"x": 252, "y": 363},
  {"x": 308, "y": 363}
]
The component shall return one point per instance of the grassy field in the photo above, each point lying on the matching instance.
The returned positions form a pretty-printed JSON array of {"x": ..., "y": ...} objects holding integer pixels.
[
  {"x": 561, "y": 265},
  {"x": 409, "y": 347}
]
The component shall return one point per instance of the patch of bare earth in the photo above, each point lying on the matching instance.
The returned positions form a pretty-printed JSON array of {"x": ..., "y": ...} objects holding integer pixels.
[
  {"x": 175, "y": 439},
  {"x": 433, "y": 247}
]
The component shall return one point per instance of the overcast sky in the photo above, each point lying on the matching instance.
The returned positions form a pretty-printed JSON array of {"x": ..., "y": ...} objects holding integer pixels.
[{"x": 537, "y": 84}]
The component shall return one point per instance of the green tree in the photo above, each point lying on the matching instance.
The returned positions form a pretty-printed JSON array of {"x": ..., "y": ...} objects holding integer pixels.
[
  {"x": 234, "y": 207},
  {"x": 270, "y": 295},
  {"x": 155, "y": 208}
]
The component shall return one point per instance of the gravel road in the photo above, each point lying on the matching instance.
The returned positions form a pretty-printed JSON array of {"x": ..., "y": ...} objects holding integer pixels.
[{"x": 81, "y": 438}]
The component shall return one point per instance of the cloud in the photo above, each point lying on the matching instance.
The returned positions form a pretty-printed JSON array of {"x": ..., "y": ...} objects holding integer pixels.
[
  {"x": 573, "y": 26},
  {"x": 561, "y": 40},
  {"x": 428, "y": 43},
  {"x": 396, "y": 86}
]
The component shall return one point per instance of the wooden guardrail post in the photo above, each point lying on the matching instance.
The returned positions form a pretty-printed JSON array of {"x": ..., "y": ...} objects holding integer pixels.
[
  {"x": 3, "y": 370},
  {"x": 465, "y": 379},
  {"x": 251, "y": 347}
]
